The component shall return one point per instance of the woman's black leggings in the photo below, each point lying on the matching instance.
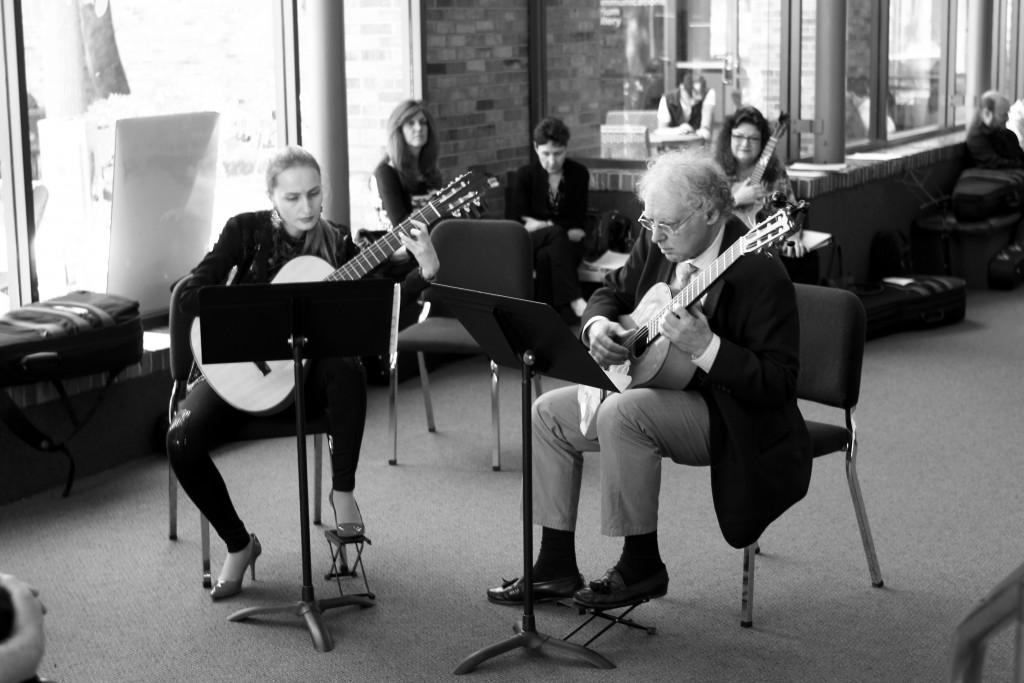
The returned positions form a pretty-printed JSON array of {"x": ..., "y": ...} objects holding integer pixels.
[{"x": 204, "y": 421}]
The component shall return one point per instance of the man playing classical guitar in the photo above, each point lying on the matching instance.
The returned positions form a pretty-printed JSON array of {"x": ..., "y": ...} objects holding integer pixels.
[{"x": 738, "y": 412}]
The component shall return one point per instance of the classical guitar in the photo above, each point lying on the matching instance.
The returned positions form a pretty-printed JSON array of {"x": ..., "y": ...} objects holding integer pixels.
[
  {"x": 653, "y": 360},
  {"x": 751, "y": 214},
  {"x": 266, "y": 387}
]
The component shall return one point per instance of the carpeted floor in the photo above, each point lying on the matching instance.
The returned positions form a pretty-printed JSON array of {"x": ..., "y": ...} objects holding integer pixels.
[{"x": 940, "y": 466}]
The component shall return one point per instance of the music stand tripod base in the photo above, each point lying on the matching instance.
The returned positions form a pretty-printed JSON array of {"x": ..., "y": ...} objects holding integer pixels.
[
  {"x": 530, "y": 639},
  {"x": 297, "y": 322},
  {"x": 532, "y": 337}
]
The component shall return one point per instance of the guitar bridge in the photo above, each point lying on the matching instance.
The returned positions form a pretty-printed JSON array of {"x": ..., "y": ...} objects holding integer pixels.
[{"x": 262, "y": 366}]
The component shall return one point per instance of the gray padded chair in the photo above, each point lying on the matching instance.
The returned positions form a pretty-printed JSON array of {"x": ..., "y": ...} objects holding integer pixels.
[
  {"x": 486, "y": 255},
  {"x": 832, "y": 327}
]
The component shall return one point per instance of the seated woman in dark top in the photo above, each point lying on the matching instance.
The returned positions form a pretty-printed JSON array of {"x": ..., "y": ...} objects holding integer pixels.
[
  {"x": 408, "y": 176},
  {"x": 404, "y": 180},
  {"x": 258, "y": 245},
  {"x": 549, "y": 195}
]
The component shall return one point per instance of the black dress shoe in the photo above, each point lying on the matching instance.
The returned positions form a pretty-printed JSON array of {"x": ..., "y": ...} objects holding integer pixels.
[
  {"x": 511, "y": 592},
  {"x": 611, "y": 590}
]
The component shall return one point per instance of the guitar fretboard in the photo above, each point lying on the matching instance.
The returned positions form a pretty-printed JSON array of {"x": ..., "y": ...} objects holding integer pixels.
[{"x": 378, "y": 252}]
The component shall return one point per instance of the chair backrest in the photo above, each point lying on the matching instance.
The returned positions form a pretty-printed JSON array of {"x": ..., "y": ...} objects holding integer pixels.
[
  {"x": 832, "y": 325},
  {"x": 179, "y": 326},
  {"x": 487, "y": 255}
]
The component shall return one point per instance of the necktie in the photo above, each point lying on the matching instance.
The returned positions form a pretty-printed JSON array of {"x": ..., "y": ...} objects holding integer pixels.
[{"x": 684, "y": 273}]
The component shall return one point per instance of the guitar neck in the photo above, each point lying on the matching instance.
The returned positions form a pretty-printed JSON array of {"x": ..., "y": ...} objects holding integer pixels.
[
  {"x": 696, "y": 287},
  {"x": 378, "y": 252},
  {"x": 762, "y": 162}
]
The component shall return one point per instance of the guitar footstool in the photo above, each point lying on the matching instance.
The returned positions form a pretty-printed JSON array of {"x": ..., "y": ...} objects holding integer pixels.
[
  {"x": 609, "y": 616},
  {"x": 340, "y": 567}
]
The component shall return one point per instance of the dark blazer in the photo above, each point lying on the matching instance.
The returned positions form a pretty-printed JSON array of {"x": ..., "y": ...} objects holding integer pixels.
[
  {"x": 760, "y": 449},
  {"x": 993, "y": 147},
  {"x": 529, "y": 196}
]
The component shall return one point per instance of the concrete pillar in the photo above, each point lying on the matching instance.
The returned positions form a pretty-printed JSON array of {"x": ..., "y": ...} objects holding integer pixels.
[
  {"x": 323, "y": 100},
  {"x": 830, "y": 82},
  {"x": 980, "y": 73}
]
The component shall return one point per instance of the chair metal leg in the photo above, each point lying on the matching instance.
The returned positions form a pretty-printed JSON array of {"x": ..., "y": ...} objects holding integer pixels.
[
  {"x": 393, "y": 407},
  {"x": 495, "y": 419},
  {"x": 747, "y": 601},
  {"x": 172, "y": 503},
  {"x": 861, "y": 512},
  {"x": 204, "y": 535},
  {"x": 425, "y": 384},
  {"x": 318, "y": 481},
  {"x": 172, "y": 482}
]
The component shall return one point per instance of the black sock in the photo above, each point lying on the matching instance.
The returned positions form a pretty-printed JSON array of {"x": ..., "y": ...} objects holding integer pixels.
[
  {"x": 557, "y": 556},
  {"x": 640, "y": 558}
]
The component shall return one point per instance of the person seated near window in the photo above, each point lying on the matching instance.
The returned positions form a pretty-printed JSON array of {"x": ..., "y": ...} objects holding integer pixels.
[
  {"x": 690, "y": 107},
  {"x": 257, "y": 245},
  {"x": 549, "y": 195},
  {"x": 738, "y": 413},
  {"x": 989, "y": 143},
  {"x": 405, "y": 180},
  {"x": 858, "y": 110}
]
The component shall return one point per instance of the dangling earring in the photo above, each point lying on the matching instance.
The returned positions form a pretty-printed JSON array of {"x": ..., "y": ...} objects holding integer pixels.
[{"x": 275, "y": 218}]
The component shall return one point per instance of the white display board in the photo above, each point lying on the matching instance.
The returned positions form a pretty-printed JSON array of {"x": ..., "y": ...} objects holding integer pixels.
[{"x": 165, "y": 171}]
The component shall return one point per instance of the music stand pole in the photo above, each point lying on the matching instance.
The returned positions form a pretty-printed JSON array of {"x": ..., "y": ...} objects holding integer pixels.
[
  {"x": 308, "y": 607},
  {"x": 254, "y": 323},
  {"x": 526, "y": 634}
]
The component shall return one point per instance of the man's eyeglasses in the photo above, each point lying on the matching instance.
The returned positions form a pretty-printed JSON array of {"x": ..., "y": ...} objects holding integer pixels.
[
  {"x": 668, "y": 228},
  {"x": 752, "y": 139}
]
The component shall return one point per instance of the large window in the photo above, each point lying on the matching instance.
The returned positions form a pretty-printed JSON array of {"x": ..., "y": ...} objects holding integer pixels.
[
  {"x": 915, "y": 59},
  {"x": 626, "y": 55},
  {"x": 89, "y": 64}
]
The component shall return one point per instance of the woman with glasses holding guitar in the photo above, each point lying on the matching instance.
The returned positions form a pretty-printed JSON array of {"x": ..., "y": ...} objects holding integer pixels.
[
  {"x": 276, "y": 244},
  {"x": 745, "y": 148}
]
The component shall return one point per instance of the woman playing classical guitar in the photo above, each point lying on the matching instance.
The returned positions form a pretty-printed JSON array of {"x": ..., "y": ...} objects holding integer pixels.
[
  {"x": 745, "y": 150},
  {"x": 258, "y": 244}
]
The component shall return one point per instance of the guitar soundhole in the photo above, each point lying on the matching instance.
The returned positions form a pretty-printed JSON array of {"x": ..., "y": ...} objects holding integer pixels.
[{"x": 640, "y": 343}]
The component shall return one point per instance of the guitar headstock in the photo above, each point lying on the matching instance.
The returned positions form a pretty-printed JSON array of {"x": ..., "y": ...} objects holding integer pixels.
[
  {"x": 464, "y": 196},
  {"x": 768, "y": 232},
  {"x": 781, "y": 125}
]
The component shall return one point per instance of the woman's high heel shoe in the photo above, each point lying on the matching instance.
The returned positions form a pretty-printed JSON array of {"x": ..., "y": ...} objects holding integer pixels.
[
  {"x": 225, "y": 589},
  {"x": 348, "y": 528}
]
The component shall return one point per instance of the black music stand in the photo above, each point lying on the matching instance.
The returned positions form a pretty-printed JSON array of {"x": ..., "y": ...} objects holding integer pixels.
[
  {"x": 297, "y": 322},
  {"x": 532, "y": 337}
]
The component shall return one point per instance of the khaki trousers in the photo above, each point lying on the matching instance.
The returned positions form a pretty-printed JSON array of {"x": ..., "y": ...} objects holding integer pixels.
[{"x": 635, "y": 430}]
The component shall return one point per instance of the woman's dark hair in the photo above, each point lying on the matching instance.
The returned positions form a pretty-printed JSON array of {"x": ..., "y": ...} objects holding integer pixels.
[
  {"x": 411, "y": 170},
  {"x": 688, "y": 82},
  {"x": 551, "y": 130},
  {"x": 723, "y": 143}
]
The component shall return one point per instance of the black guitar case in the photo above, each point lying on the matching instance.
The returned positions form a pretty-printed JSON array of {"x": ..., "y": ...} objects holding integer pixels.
[{"x": 913, "y": 302}]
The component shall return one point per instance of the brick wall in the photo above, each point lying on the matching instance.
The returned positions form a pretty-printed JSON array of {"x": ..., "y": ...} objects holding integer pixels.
[
  {"x": 476, "y": 83},
  {"x": 377, "y": 44}
]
